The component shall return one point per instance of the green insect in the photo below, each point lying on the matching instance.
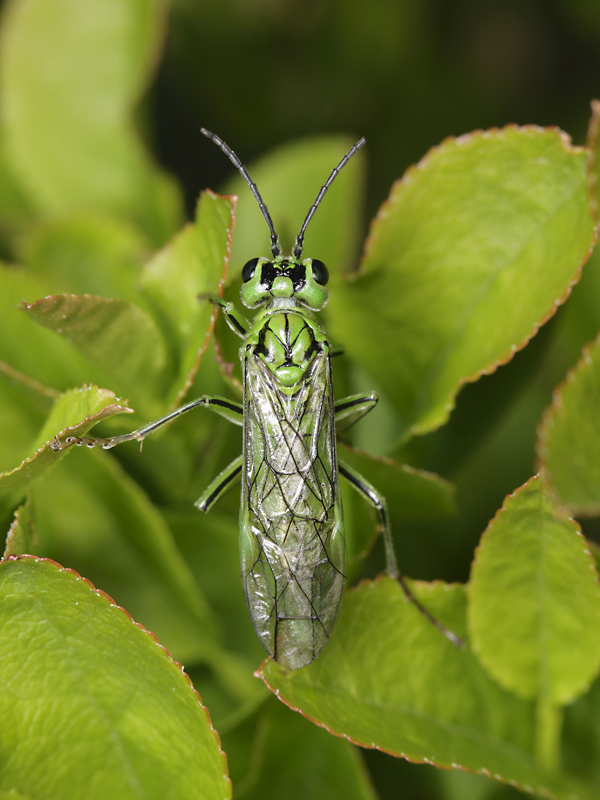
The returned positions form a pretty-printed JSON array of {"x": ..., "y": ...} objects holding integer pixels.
[{"x": 292, "y": 542}]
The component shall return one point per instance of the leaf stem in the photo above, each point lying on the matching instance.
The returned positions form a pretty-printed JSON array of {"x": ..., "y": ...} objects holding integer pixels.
[{"x": 549, "y": 719}]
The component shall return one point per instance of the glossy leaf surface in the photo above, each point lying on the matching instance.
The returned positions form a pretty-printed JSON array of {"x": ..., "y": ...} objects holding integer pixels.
[
  {"x": 178, "y": 277},
  {"x": 534, "y": 610},
  {"x": 388, "y": 679},
  {"x": 474, "y": 249},
  {"x": 324, "y": 767},
  {"x": 118, "y": 336},
  {"x": 93, "y": 706},
  {"x": 569, "y": 436}
]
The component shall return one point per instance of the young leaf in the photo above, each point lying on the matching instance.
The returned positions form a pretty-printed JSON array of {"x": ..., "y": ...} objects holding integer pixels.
[
  {"x": 73, "y": 415},
  {"x": 93, "y": 706},
  {"x": 176, "y": 279},
  {"x": 22, "y": 534},
  {"x": 473, "y": 251},
  {"x": 569, "y": 436},
  {"x": 534, "y": 611},
  {"x": 28, "y": 348},
  {"x": 388, "y": 679},
  {"x": 323, "y": 767},
  {"x": 412, "y": 494},
  {"x": 24, "y": 405},
  {"x": 86, "y": 254},
  {"x": 66, "y": 108},
  {"x": 121, "y": 338}
]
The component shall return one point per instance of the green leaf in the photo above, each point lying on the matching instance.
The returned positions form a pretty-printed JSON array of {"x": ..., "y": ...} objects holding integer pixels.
[
  {"x": 535, "y": 600},
  {"x": 93, "y": 514},
  {"x": 581, "y": 737},
  {"x": 22, "y": 536},
  {"x": 93, "y": 707},
  {"x": 24, "y": 405},
  {"x": 210, "y": 545},
  {"x": 86, "y": 254},
  {"x": 289, "y": 179},
  {"x": 96, "y": 514},
  {"x": 593, "y": 147},
  {"x": 569, "y": 436},
  {"x": 15, "y": 207},
  {"x": 38, "y": 353},
  {"x": 411, "y": 494},
  {"x": 192, "y": 265},
  {"x": 323, "y": 767},
  {"x": 388, "y": 679},
  {"x": 13, "y": 794},
  {"x": 118, "y": 336},
  {"x": 474, "y": 249},
  {"x": 66, "y": 108},
  {"x": 73, "y": 414}
]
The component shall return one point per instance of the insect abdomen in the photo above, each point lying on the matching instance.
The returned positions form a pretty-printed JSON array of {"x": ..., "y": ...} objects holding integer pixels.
[{"x": 291, "y": 532}]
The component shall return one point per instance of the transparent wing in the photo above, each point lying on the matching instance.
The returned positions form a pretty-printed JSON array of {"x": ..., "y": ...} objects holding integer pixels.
[{"x": 292, "y": 537}]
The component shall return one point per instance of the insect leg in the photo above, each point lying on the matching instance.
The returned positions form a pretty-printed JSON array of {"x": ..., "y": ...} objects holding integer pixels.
[
  {"x": 378, "y": 502},
  {"x": 220, "y": 405},
  {"x": 234, "y": 318},
  {"x": 221, "y": 484},
  {"x": 349, "y": 410}
]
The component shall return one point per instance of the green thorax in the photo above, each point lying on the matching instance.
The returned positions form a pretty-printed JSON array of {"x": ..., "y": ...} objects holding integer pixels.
[{"x": 286, "y": 340}]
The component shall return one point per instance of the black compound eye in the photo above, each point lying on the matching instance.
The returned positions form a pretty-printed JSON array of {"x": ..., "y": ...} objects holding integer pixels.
[
  {"x": 248, "y": 269},
  {"x": 320, "y": 272}
]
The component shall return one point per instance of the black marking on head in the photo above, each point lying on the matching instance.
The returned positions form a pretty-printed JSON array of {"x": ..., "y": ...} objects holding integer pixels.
[
  {"x": 268, "y": 274},
  {"x": 283, "y": 269},
  {"x": 298, "y": 276}
]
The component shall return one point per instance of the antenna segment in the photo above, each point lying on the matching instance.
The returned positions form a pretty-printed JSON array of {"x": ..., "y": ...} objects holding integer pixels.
[
  {"x": 275, "y": 246},
  {"x": 298, "y": 246}
]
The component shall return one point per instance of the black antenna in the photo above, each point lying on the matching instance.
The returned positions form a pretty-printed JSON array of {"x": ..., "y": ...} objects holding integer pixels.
[
  {"x": 297, "y": 249},
  {"x": 275, "y": 246}
]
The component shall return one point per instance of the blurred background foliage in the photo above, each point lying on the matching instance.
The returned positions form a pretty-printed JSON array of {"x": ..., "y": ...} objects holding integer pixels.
[{"x": 405, "y": 74}]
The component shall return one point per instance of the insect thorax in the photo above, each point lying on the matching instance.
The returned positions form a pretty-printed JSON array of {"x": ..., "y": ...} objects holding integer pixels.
[{"x": 287, "y": 341}]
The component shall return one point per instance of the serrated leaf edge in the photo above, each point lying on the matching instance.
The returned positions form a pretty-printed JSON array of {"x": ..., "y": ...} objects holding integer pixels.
[
  {"x": 423, "y": 163},
  {"x": 541, "y": 791},
  {"x": 104, "y": 596}
]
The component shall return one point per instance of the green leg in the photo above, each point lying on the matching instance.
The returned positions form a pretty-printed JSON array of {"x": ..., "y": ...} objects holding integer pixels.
[
  {"x": 221, "y": 484},
  {"x": 226, "y": 408},
  {"x": 349, "y": 410},
  {"x": 378, "y": 503},
  {"x": 236, "y": 320}
]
